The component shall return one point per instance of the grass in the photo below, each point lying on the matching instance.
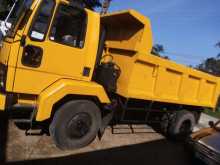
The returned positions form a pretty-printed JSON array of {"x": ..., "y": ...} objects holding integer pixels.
[{"x": 214, "y": 114}]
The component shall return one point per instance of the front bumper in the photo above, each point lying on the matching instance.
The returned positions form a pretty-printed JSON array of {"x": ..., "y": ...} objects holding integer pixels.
[{"x": 2, "y": 102}]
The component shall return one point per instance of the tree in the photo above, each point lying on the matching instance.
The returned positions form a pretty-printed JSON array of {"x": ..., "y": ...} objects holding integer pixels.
[
  {"x": 157, "y": 50},
  {"x": 91, "y": 4},
  {"x": 218, "y": 44},
  {"x": 211, "y": 65},
  {"x": 4, "y": 8},
  {"x": 105, "y": 6}
]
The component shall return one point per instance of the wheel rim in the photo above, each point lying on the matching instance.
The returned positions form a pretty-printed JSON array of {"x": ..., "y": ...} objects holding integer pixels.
[
  {"x": 185, "y": 128},
  {"x": 79, "y": 126}
]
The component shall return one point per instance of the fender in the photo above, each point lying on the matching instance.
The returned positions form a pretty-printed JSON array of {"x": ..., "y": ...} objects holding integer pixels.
[{"x": 64, "y": 87}]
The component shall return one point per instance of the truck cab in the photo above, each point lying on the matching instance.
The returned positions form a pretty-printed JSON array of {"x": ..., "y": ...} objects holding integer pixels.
[
  {"x": 48, "y": 41},
  {"x": 49, "y": 56}
]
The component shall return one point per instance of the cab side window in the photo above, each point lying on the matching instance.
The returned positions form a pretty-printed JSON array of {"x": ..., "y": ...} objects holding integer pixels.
[
  {"x": 69, "y": 26},
  {"x": 42, "y": 19}
]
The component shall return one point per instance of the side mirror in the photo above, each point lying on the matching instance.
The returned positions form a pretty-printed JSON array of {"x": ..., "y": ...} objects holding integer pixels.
[{"x": 211, "y": 124}]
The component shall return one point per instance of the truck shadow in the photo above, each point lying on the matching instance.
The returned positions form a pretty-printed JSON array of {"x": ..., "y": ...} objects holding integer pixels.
[
  {"x": 3, "y": 136},
  {"x": 160, "y": 152}
]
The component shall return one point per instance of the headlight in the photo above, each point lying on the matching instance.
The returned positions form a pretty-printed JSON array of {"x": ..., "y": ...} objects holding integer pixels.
[{"x": 3, "y": 76}]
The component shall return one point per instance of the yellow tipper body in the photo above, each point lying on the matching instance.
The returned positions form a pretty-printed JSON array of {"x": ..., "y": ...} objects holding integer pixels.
[{"x": 146, "y": 76}]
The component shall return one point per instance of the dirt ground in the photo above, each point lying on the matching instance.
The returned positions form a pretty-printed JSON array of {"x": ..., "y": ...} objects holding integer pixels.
[{"x": 121, "y": 145}]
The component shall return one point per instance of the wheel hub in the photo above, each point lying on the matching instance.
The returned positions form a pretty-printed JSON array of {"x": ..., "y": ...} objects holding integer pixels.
[
  {"x": 79, "y": 126},
  {"x": 185, "y": 128}
]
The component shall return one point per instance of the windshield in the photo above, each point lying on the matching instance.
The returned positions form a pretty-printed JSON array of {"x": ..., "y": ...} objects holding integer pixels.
[
  {"x": 18, "y": 9},
  {"x": 16, "y": 13}
]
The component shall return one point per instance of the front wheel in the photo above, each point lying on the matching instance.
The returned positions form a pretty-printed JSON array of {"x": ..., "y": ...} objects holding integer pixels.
[{"x": 75, "y": 124}]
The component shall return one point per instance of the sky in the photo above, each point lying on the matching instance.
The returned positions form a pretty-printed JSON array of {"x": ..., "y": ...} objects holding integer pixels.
[{"x": 188, "y": 29}]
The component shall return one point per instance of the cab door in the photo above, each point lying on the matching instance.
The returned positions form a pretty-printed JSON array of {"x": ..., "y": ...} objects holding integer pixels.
[{"x": 48, "y": 55}]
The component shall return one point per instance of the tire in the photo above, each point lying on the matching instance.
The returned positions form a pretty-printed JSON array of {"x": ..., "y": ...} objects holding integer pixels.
[
  {"x": 181, "y": 125},
  {"x": 75, "y": 124}
]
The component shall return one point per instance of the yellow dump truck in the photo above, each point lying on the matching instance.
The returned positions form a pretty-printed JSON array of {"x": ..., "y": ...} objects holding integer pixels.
[{"x": 79, "y": 71}]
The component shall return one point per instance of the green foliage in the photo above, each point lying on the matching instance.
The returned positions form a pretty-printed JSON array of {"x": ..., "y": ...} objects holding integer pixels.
[
  {"x": 91, "y": 4},
  {"x": 218, "y": 44},
  {"x": 211, "y": 65},
  {"x": 4, "y": 7},
  {"x": 215, "y": 114},
  {"x": 158, "y": 50}
]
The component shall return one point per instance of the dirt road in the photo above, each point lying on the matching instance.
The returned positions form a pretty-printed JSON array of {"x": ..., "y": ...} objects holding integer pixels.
[{"x": 121, "y": 145}]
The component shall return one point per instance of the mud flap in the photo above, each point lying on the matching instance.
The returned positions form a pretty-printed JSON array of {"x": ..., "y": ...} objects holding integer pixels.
[{"x": 105, "y": 122}]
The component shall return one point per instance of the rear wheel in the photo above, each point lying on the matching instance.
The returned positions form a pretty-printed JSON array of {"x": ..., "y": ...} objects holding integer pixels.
[
  {"x": 75, "y": 124},
  {"x": 181, "y": 125}
]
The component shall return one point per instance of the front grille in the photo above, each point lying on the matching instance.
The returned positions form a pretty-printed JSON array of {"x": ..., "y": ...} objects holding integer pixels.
[{"x": 207, "y": 152}]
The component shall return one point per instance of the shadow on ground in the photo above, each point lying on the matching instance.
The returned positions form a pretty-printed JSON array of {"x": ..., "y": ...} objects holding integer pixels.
[
  {"x": 3, "y": 136},
  {"x": 159, "y": 152}
]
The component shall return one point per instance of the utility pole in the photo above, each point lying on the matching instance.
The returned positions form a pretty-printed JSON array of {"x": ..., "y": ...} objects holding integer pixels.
[{"x": 105, "y": 6}]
